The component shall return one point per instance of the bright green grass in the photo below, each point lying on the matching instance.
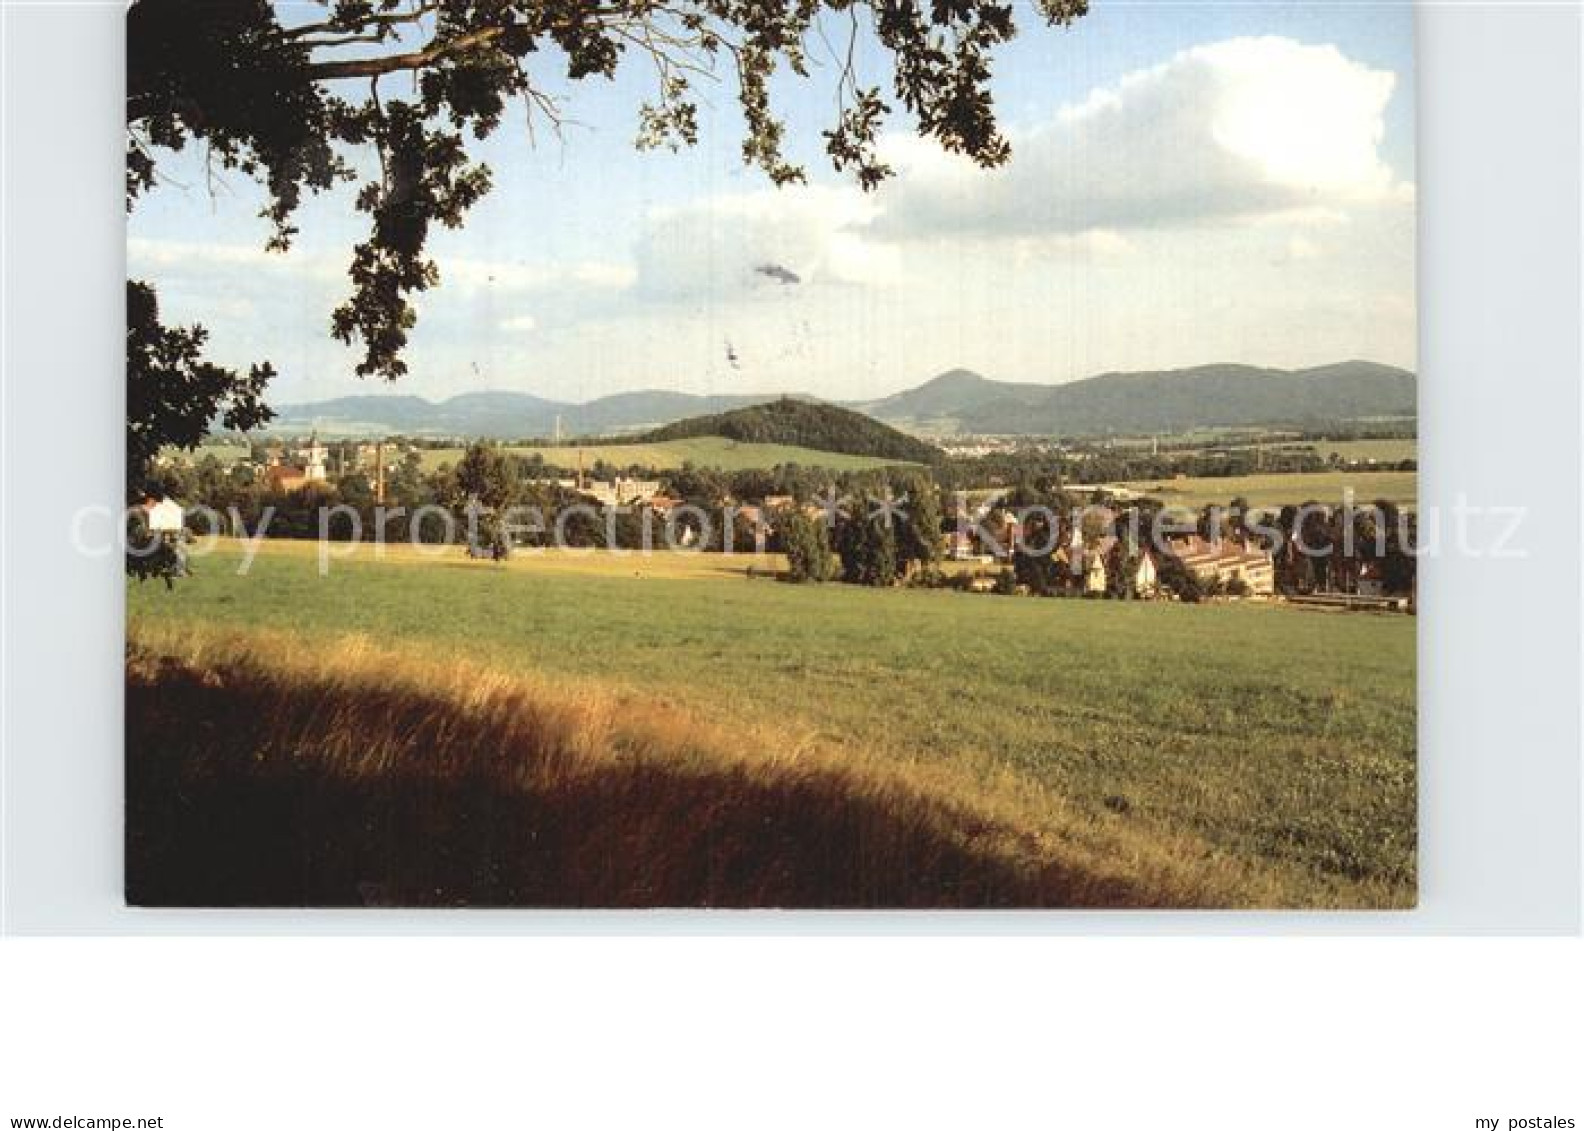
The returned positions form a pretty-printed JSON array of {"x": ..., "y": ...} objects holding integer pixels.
[
  {"x": 1400, "y": 487},
  {"x": 702, "y": 451},
  {"x": 1284, "y": 737}
]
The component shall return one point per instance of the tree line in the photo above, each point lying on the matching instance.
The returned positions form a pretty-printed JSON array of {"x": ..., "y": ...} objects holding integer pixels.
[{"x": 876, "y": 527}]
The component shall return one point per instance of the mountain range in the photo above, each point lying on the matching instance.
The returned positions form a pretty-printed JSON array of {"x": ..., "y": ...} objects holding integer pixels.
[
  {"x": 1154, "y": 401},
  {"x": 499, "y": 415},
  {"x": 958, "y": 401}
]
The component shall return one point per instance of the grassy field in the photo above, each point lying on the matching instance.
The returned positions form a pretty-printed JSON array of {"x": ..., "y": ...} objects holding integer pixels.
[
  {"x": 702, "y": 451},
  {"x": 1276, "y": 490},
  {"x": 226, "y": 453},
  {"x": 261, "y": 772},
  {"x": 1198, "y": 755},
  {"x": 1381, "y": 451}
]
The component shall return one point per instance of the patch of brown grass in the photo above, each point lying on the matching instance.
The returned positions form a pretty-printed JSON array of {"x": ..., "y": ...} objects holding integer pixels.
[{"x": 262, "y": 771}]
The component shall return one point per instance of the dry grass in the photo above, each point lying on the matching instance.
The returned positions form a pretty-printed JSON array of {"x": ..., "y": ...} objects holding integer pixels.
[
  {"x": 561, "y": 561},
  {"x": 264, "y": 773}
]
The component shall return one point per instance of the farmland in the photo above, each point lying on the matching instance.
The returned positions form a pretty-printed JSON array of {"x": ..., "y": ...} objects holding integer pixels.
[
  {"x": 1196, "y": 753},
  {"x": 1383, "y": 451},
  {"x": 1376, "y": 451},
  {"x": 668, "y": 455},
  {"x": 1399, "y": 487},
  {"x": 224, "y": 451}
]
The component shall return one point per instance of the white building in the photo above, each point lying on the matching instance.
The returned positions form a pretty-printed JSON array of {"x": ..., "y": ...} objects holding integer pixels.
[
  {"x": 164, "y": 516},
  {"x": 621, "y": 492},
  {"x": 312, "y": 457}
]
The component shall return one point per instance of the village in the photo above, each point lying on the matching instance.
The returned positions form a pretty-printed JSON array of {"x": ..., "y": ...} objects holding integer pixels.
[{"x": 1113, "y": 544}]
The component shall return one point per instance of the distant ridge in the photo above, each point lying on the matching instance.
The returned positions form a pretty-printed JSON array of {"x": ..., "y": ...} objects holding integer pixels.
[
  {"x": 958, "y": 400},
  {"x": 500, "y": 415},
  {"x": 1169, "y": 400}
]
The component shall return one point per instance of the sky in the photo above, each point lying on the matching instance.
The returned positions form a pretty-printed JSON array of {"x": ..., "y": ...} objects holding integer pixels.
[{"x": 1189, "y": 184}]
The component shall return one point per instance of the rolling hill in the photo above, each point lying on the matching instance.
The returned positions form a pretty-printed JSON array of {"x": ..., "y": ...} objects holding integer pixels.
[
  {"x": 955, "y": 401},
  {"x": 804, "y": 424}
]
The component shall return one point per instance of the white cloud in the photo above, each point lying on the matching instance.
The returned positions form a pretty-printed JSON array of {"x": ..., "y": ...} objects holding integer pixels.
[
  {"x": 1300, "y": 247},
  {"x": 1232, "y": 130},
  {"x": 475, "y": 274},
  {"x": 182, "y": 257},
  {"x": 185, "y": 258},
  {"x": 1231, "y": 203},
  {"x": 761, "y": 242},
  {"x": 1245, "y": 130}
]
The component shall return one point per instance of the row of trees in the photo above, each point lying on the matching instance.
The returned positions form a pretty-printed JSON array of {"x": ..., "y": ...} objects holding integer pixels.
[
  {"x": 870, "y": 527},
  {"x": 1380, "y": 538}
]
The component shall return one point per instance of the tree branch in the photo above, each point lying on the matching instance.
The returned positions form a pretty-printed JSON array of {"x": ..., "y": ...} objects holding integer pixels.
[
  {"x": 381, "y": 19},
  {"x": 407, "y": 61},
  {"x": 344, "y": 40}
]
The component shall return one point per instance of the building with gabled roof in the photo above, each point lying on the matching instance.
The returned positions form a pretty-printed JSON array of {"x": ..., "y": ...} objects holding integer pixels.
[{"x": 1227, "y": 560}]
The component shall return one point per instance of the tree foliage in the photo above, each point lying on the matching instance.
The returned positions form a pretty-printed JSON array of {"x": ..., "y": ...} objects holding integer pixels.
[
  {"x": 173, "y": 395},
  {"x": 485, "y": 476},
  {"x": 882, "y": 537},
  {"x": 486, "y": 486},
  {"x": 805, "y": 424},
  {"x": 1177, "y": 578},
  {"x": 867, "y": 544},
  {"x": 806, "y": 542},
  {"x": 918, "y": 526}
]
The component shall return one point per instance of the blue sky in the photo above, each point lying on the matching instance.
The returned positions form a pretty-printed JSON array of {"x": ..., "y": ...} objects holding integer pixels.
[{"x": 1189, "y": 184}]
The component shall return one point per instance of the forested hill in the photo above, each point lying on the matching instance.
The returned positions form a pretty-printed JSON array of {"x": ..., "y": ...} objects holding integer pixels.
[{"x": 805, "y": 424}]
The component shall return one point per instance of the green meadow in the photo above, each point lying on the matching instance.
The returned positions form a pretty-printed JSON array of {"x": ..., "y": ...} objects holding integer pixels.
[
  {"x": 1276, "y": 739},
  {"x": 1276, "y": 490}
]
